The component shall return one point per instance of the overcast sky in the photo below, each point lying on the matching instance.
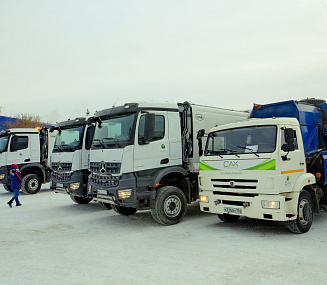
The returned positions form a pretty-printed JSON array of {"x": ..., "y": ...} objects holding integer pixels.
[{"x": 60, "y": 58}]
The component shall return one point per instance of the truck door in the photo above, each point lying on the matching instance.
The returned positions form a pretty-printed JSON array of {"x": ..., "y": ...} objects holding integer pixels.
[
  {"x": 293, "y": 163},
  {"x": 153, "y": 154},
  {"x": 19, "y": 149}
]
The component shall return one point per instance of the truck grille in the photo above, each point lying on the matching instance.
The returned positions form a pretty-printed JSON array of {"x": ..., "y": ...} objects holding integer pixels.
[
  {"x": 61, "y": 176},
  {"x": 61, "y": 166},
  {"x": 105, "y": 168},
  {"x": 104, "y": 180},
  {"x": 235, "y": 183}
]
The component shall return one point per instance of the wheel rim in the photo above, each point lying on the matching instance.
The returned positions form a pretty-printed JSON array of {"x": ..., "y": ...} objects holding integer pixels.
[
  {"x": 33, "y": 184},
  {"x": 172, "y": 206},
  {"x": 305, "y": 212}
]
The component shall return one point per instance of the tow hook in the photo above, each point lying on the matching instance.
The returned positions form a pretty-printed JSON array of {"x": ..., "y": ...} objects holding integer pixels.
[{"x": 246, "y": 204}]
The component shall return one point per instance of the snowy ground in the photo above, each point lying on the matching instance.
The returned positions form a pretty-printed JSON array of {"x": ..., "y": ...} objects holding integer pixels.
[{"x": 52, "y": 240}]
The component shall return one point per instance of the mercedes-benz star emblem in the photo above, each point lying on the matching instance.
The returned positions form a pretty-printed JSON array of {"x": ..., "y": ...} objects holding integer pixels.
[{"x": 103, "y": 167}]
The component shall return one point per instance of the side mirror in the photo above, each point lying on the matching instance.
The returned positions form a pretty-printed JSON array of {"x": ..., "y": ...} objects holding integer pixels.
[
  {"x": 288, "y": 147},
  {"x": 289, "y": 142},
  {"x": 14, "y": 143},
  {"x": 289, "y": 136},
  {"x": 199, "y": 137},
  {"x": 200, "y": 134},
  {"x": 149, "y": 127},
  {"x": 89, "y": 136}
]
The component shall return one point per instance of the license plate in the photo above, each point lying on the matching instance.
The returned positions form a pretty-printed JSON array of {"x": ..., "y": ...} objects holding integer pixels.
[
  {"x": 60, "y": 185},
  {"x": 232, "y": 210}
]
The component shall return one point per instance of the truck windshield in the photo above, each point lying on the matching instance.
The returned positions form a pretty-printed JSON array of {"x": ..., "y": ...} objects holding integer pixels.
[
  {"x": 69, "y": 139},
  {"x": 254, "y": 139},
  {"x": 113, "y": 132},
  {"x": 4, "y": 143}
]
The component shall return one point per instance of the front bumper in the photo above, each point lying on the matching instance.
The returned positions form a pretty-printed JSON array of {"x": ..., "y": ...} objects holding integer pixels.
[
  {"x": 100, "y": 190},
  {"x": 60, "y": 183},
  {"x": 4, "y": 175},
  {"x": 250, "y": 206}
]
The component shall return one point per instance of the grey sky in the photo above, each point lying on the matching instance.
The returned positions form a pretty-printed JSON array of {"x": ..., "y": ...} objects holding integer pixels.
[{"x": 58, "y": 58}]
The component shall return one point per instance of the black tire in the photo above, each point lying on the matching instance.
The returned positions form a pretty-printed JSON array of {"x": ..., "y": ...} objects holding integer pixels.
[
  {"x": 7, "y": 188},
  {"x": 31, "y": 184},
  {"x": 169, "y": 206},
  {"x": 227, "y": 218},
  {"x": 106, "y": 206},
  {"x": 303, "y": 222},
  {"x": 80, "y": 200},
  {"x": 126, "y": 211}
]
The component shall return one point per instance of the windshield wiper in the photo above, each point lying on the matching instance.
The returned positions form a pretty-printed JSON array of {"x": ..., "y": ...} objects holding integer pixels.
[
  {"x": 231, "y": 152},
  {"x": 99, "y": 141},
  {"x": 113, "y": 139},
  {"x": 70, "y": 148},
  {"x": 250, "y": 149},
  {"x": 58, "y": 147}
]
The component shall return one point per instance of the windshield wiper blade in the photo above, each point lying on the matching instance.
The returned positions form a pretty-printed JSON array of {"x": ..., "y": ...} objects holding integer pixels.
[
  {"x": 250, "y": 149},
  {"x": 58, "y": 147},
  {"x": 67, "y": 146},
  {"x": 99, "y": 141},
  {"x": 231, "y": 151},
  {"x": 115, "y": 140}
]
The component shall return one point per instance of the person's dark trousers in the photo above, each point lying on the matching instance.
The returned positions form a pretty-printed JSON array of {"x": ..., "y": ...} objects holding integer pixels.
[{"x": 15, "y": 197}]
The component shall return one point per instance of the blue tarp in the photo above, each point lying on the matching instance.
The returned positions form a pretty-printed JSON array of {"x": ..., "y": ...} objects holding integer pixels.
[
  {"x": 309, "y": 117},
  {"x": 4, "y": 121}
]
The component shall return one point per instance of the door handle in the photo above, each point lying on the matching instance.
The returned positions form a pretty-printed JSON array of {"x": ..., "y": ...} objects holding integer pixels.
[
  {"x": 27, "y": 160},
  {"x": 164, "y": 161}
]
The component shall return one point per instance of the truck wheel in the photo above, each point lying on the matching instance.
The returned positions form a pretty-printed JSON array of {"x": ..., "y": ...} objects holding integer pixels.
[
  {"x": 126, "y": 211},
  {"x": 80, "y": 200},
  {"x": 31, "y": 184},
  {"x": 228, "y": 218},
  {"x": 169, "y": 207},
  {"x": 7, "y": 187},
  {"x": 304, "y": 218},
  {"x": 106, "y": 206}
]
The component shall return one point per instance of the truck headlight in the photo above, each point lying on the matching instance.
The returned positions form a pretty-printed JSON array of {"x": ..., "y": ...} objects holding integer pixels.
[
  {"x": 74, "y": 186},
  {"x": 204, "y": 199},
  {"x": 270, "y": 204},
  {"x": 2, "y": 176},
  {"x": 124, "y": 193}
]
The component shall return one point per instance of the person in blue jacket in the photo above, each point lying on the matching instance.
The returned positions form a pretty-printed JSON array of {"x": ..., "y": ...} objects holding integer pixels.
[{"x": 16, "y": 181}]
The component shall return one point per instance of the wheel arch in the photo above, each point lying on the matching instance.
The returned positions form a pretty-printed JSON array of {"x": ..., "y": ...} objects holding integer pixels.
[
  {"x": 312, "y": 191},
  {"x": 173, "y": 176},
  {"x": 304, "y": 180},
  {"x": 34, "y": 168}
]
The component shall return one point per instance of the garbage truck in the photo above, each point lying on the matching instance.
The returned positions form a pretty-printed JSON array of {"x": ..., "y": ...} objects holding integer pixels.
[
  {"x": 272, "y": 166},
  {"x": 146, "y": 156},
  {"x": 70, "y": 159},
  {"x": 30, "y": 149}
]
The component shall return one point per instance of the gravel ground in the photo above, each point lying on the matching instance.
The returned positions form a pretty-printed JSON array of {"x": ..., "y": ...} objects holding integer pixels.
[{"x": 52, "y": 240}]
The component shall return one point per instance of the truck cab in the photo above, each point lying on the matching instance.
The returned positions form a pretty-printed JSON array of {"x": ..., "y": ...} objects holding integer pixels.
[
  {"x": 29, "y": 148},
  {"x": 70, "y": 159}
]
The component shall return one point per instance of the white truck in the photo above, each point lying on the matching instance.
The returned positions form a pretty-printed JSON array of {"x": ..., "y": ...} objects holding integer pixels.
[
  {"x": 70, "y": 159},
  {"x": 146, "y": 156},
  {"x": 29, "y": 149},
  {"x": 271, "y": 166}
]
